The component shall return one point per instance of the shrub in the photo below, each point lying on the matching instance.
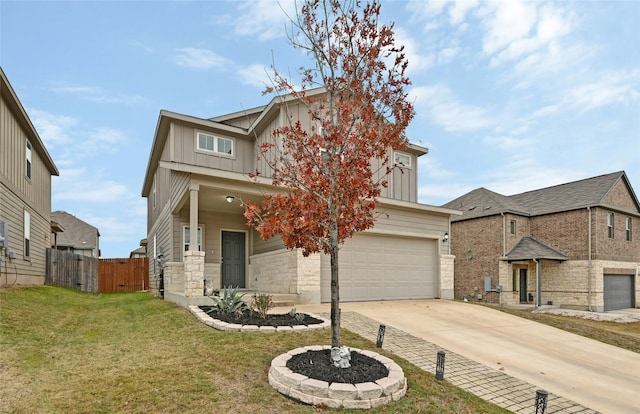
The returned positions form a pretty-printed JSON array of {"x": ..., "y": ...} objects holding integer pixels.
[
  {"x": 230, "y": 303},
  {"x": 261, "y": 304}
]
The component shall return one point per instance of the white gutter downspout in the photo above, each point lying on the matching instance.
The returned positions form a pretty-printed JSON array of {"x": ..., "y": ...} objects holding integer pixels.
[{"x": 590, "y": 264}]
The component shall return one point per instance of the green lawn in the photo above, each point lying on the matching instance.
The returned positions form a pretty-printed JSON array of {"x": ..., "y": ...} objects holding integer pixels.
[{"x": 63, "y": 351}]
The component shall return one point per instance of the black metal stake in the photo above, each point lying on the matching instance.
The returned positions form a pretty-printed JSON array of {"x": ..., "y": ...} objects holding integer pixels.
[
  {"x": 380, "y": 336},
  {"x": 440, "y": 366},
  {"x": 541, "y": 401}
]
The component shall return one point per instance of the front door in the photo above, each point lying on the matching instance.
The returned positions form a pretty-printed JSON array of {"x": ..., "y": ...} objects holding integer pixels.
[
  {"x": 523, "y": 286},
  {"x": 233, "y": 259}
]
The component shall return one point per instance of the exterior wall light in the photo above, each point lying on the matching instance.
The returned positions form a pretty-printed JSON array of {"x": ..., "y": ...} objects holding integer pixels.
[
  {"x": 230, "y": 199},
  {"x": 445, "y": 238}
]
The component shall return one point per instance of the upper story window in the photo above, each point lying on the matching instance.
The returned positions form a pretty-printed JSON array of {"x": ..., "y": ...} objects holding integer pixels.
[
  {"x": 28, "y": 159},
  {"x": 512, "y": 227},
  {"x": 186, "y": 237},
  {"x": 212, "y": 143},
  {"x": 610, "y": 225},
  {"x": 154, "y": 191},
  {"x": 628, "y": 229},
  {"x": 401, "y": 159}
]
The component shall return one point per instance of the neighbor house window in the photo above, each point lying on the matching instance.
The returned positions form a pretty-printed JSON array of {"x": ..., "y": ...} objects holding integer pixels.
[
  {"x": 215, "y": 144},
  {"x": 628, "y": 228},
  {"x": 512, "y": 226},
  {"x": 186, "y": 236},
  {"x": 402, "y": 160},
  {"x": 610, "y": 225},
  {"x": 27, "y": 233},
  {"x": 28, "y": 159}
]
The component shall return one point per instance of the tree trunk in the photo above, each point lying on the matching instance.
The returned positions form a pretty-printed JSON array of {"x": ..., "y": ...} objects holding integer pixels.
[{"x": 335, "y": 288}]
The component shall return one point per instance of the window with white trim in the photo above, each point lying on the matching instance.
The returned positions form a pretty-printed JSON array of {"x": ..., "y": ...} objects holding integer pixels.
[
  {"x": 186, "y": 238},
  {"x": 610, "y": 225},
  {"x": 28, "y": 159},
  {"x": 27, "y": 233},
  {"x": 401, "y": 159},
  {"x": 628, "y": 229},
  {"x": 154, "y": 191},
  {"x": 212, "y": 143}
]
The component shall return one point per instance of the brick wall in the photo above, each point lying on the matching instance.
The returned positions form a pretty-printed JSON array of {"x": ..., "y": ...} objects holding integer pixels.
[
  {"x": 567, "y": 232},
  {"x": 477, "y": 246},
  {"x": 617, "y": 248}
]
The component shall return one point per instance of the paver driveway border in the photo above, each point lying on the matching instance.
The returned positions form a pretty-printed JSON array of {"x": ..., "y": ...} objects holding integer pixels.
[{"x": 581, "y": 374}]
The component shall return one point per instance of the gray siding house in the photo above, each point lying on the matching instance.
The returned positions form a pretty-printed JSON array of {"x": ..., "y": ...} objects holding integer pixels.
[
  {"x": 78, "y": 236},
  {"x": 25, "y": 193},
  {"x": 197, "y": 172},
  {"x": 574, "y": 245}
]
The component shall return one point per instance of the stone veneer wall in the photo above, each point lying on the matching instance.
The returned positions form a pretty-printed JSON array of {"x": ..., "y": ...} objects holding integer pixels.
[
  {"x": 212, "y": 275},
  {"x": 566, "y": 284},
  {"x": 193, "y": 273},
  {"x": 287, "y": 271},
  {"x": 174, "y": 277},
  {"x": 446, "y": 276}
]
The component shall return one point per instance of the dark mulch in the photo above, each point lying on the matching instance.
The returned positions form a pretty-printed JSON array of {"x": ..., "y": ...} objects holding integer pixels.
[
  {"x": 318, "y": 365},
  {"x": 252, "y": 318}
]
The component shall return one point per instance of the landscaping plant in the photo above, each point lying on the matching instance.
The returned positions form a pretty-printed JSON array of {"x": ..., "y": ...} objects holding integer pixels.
[
  {"x": 261, "y": 304},
  {"x": 230, "y": 303}
]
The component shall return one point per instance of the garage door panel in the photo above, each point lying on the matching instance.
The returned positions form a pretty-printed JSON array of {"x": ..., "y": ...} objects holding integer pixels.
[
  {"x": 618, "y": 292},
  {"x": 374, "y": 267}
]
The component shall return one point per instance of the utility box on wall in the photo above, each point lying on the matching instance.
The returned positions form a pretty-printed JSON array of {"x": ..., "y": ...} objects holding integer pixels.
[
  {"x": 487, "y": 284},
  {"x": 4, "y": 234}
]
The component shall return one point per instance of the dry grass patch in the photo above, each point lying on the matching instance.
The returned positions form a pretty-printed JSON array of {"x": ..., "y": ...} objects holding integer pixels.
[{"x": 70, "y": 352}]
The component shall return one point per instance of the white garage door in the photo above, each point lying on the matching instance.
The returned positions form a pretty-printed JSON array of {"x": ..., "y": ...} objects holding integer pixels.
[{"x": 375, "y": 267}]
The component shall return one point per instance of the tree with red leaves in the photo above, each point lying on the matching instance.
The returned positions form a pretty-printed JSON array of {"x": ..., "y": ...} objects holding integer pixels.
[{"x": 331, "y": 183}]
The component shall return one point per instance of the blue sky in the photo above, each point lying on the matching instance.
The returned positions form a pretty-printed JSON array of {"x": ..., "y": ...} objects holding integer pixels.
[{"x": 509, "y": 95}]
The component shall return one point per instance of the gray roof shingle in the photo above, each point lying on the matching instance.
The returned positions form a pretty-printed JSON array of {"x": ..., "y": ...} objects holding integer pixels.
[
  {"x": 564, "y": 197},
  {"x": 529, "y": 248},
  {"x": 77, "y": 233}
]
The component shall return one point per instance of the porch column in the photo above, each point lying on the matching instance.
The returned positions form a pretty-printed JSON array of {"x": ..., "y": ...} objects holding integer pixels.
[
  {"x": 193, "y": 260},
  {"x": 193, "y": 217},
  {"x": 446, "y": 276}
]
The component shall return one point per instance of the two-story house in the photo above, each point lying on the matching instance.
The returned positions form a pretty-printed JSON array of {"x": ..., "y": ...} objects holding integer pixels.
[
  {"x": 198, "y": 171},
  {"x": 78, "y": 237},
  {"x": 25, "y": 193},
  {"x": 575, "y": 245}
]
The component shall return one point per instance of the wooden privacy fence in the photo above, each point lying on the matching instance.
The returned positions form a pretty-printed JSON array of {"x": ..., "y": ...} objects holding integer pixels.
[
  {"x": 123, "y": 275},
  {"x": 71, "y": 270}
]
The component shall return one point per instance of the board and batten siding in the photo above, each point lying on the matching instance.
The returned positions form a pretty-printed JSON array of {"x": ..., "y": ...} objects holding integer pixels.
[{"x": 185, "y": 151}]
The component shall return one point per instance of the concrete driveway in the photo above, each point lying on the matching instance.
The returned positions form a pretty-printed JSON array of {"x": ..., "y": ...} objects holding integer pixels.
[{"x": 596, "y": 375}]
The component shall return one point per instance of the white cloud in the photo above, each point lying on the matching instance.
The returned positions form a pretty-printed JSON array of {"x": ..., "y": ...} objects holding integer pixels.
[
  {"x": 444, "y": 109},
  {"x": 99, "y": 95},
  {"x": 620, "y": 87},
  {"x": 202, "y": 59},
  {"x": 78, "y": 185},
  {"x": 256, "y": 75},
  {"x": 52, "y": 128},
  {"x": 417, "y": 61},
  {"x": 264, "y": 18}
]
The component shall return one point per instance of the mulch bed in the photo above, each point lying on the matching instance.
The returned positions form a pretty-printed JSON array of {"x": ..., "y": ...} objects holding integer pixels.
[
  {"x": 318, "y": 365},
  {"x": 251, "y": 318}
]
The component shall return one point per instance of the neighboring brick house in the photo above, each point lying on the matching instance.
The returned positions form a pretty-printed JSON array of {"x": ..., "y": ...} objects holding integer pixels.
[
  {"x": 77, "y": 237},
  {"x": 25, "y": 194},
  {"x": 575, "y": 245},
  {"x": 197, "y": 173}
]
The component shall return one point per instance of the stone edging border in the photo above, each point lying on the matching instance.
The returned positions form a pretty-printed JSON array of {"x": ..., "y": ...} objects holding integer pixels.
[
  {"x": 203, "y": 317},
  {"x": 315, "y": 392}
]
